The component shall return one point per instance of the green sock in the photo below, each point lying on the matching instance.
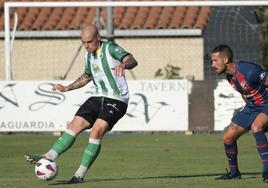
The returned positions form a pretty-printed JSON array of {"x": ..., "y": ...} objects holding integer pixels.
[
  {"x": 64, "y": 142},
  {"x": 91, "y": 153}
]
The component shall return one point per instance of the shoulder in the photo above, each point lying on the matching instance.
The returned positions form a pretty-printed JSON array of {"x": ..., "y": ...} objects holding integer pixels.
[
  {"x": 115, "y": 50},
  {"x": 112, "y": 45},
  {"x": 108, "y": 43},
  {"x": 245, "y": 66},
  {"x": 250, "y": 70}
]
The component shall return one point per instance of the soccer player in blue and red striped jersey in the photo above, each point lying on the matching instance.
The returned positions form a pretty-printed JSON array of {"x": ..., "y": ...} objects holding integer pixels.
[{"x": 251, "y": 81}]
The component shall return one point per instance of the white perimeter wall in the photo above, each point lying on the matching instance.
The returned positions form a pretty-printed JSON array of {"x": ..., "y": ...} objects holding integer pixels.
[
  {"x": 227, "y": 102},
  {"x": 31, "y": 106},
  {"x": 155, "y": 105}
]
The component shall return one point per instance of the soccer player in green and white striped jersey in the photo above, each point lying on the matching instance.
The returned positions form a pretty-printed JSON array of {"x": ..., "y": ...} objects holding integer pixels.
[{"x": 105, "y": 64}]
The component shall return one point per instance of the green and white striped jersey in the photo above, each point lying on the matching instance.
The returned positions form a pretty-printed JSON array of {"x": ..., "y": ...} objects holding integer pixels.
[{"x": 100, "y": 66}]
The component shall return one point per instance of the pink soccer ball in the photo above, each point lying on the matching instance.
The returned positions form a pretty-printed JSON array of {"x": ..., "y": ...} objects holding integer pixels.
[{"x": 46, "y": 169}]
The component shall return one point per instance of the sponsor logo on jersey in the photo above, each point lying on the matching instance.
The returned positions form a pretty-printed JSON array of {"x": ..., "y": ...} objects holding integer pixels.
[{"x": 262, "y": 75}]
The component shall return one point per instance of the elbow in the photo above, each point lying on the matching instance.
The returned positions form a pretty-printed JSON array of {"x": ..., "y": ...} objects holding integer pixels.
[
  {"x": 131, "y": 65},
  {"x": 130, "y": 62},
  {"x": 135, "y": 64}
]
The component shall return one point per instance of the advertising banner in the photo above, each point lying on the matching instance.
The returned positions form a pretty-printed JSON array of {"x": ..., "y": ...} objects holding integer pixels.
[{"x": 155, "y": 105}]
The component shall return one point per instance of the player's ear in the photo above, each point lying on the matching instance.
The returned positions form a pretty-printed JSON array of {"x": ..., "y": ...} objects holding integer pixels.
[{"x": 226, "y": 60}]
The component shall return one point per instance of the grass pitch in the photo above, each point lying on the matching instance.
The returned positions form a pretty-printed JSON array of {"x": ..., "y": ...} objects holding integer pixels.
[{"x": 134, "y": 161}]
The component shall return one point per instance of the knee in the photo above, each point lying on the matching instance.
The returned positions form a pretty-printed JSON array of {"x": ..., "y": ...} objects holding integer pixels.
[
  {"x": 73, "y": 128},
  {"x": 76, "y": 127},
  {"x": 78, "y": 124},
  {"x": 228, "y": 138},
  {"x": 97, "y": 132},
  {"x": 256, "y": 128}
]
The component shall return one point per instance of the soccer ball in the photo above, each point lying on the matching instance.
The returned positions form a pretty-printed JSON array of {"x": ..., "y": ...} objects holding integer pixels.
[{"x": 46, "y": 169}]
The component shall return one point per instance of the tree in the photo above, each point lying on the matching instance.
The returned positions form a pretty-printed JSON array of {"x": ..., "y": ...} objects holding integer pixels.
[
  {"x": 262, "y": 19},
  {"x": 168, "y": 72}
]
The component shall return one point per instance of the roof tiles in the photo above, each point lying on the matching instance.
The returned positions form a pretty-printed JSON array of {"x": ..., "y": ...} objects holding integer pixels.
[{"x": 60, "y": 18}]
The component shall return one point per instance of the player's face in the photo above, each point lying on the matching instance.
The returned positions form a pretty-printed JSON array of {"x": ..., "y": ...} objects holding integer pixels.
[
  {"x": 218, "y": 63},
  {"x": 90, "y": 41}
]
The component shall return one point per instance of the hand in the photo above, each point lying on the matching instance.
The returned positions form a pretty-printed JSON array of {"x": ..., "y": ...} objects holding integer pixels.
[
  {"x": 59, "y": 87},
  {"x": 119, "y": 70}
]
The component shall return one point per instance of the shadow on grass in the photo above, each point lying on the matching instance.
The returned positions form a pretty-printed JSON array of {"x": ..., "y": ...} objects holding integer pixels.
[{"x": 247, "y": 175}]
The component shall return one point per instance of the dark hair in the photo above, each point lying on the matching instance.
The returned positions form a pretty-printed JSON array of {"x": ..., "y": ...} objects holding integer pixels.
[{"x": 224, "y": 50}]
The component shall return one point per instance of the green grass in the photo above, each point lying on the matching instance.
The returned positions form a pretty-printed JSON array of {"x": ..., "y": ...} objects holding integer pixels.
[{"x": 134, "y": 161}]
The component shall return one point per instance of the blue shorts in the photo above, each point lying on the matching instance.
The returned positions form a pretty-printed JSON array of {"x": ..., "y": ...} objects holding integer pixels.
[{"x": 247, "y": 115}]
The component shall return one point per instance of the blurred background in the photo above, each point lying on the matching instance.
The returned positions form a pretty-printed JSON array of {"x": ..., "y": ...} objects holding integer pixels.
[
  {"x": 169, "y": 42},
  {"x": 47, "y": 38}
]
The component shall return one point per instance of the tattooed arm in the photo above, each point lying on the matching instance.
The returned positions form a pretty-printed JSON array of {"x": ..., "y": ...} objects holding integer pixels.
[
  {"x": 80, "y": 82},
  {"x": 128, "y": 62}
]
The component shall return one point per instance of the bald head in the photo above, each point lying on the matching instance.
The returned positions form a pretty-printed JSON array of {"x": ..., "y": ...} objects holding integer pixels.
[
  {"x": 90, "y": 38},
  {"x": 90, "y": 29}
]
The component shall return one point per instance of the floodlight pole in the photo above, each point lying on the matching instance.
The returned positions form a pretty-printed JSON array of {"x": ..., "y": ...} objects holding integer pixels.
[
  {"x": 98, "y": 18},
  {"x": 110, "y": 28}
]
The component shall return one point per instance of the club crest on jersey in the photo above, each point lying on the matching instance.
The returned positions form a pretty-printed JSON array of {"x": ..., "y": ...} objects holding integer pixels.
[
  {"x": 100, "y": 55},
  {"x": 95, "y": 68},
  {"x": 245, "y": 86}
]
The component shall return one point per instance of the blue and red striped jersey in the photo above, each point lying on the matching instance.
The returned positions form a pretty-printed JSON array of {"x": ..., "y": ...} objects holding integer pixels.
[{"x": 249, "y": 80}]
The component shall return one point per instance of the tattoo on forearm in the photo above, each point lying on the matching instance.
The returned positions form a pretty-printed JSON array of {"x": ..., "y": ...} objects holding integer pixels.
[
  {"x": 130, "y": 62},
  {"x": 80, "y": 82}
]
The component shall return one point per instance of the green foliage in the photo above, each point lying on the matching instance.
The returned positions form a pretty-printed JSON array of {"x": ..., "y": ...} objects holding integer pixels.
[
  {"x": 170, "y": 160},
  {"x": 168, "y": 72},
  {"x": 262, "y": 19}
]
